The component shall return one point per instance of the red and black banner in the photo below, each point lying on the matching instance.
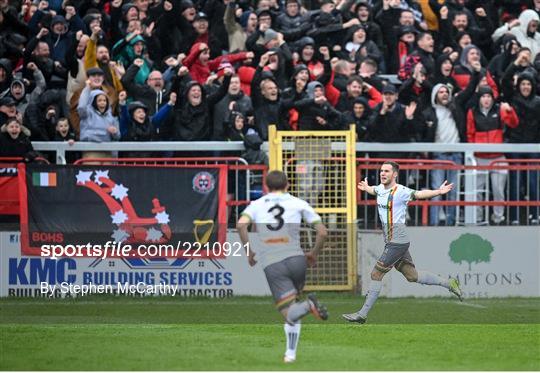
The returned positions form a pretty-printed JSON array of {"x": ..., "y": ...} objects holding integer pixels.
[
  {"x": 77, "y": 205},
  {"x": 9, "y": 189}
]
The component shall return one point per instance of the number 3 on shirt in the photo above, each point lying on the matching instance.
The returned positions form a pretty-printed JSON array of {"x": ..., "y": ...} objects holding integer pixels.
[{"x": 278, "y": 212}]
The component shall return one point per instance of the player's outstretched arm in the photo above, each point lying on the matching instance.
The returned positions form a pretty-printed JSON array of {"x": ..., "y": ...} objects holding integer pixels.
[
  {"x": 242, "y": 226},
  {"x": 319, "y": 242},
  {"x": 428, "y": 193},
  {"x": 365, "y": 187}
]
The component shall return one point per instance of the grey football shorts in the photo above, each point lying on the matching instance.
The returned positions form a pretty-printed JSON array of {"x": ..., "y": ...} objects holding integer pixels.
[
  {"x": 394, "y": 255},
  {"x": 286, "y": 279}
]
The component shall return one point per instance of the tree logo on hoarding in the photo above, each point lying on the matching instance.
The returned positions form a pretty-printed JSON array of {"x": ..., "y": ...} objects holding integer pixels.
[{"x": 470, "y": 248}]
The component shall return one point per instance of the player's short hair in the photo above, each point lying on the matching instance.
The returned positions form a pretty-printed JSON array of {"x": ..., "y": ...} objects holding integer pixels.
[
  {"x": 276, "y": 180},
  {"x": 395, "y": 166}
]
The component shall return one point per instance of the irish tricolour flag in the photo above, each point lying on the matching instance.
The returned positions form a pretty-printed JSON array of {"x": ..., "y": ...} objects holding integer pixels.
[{"x": 44, "y": 179}]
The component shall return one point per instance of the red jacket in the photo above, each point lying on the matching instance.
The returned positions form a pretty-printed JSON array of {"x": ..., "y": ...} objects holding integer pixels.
[
  {"x": 488, "y": 129},
  {"x": 246, "y": 73},
  {"x": 332, "y": 93},
  {"x": 199, "y": 71},
  {"x": 462, "y": 76}
]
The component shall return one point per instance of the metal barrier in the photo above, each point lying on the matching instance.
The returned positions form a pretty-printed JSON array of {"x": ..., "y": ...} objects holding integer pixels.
[
  {"x": 21, "y": 160},
  {"x": 467, "y": 179},
  {"x": 417, "y": 174},
  {"x": 61, "y": 148},
  {"x": 244, "y": 181}
]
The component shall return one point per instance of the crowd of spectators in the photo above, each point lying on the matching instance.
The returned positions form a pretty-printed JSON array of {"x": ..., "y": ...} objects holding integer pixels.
[{"x": 184, "y": 70}]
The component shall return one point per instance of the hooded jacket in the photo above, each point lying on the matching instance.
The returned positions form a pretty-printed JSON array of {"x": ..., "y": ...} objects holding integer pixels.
[
  {"x": 498, "y": 64},
  {"x": 290, "y": 94},
  {"x": 527, "y": 108},
  {"x": 530, "y": 41},
  {"x": 123, "y": 52},
  {"x": 372, "y": 49},
  {"x": 35, "y": 119},
  {"x": 94, "y": 124},
  {"x": 231, "y": 133},
  {"x": 131, "y": 130},
  {"x": 142, "y": 91},
  {"x": 462, "y": 72},
  {"x": 526, "y": 40},
  {"x": 33, "y": 96},
  {"x": 19, "y": 147},
  {"x": 6, "y": 84},
  {"x": 221, "y": 113},
  {"x": 199, "y": 71},
  {"x": 314, "y": 63},
  {"x": 119, "y": 21},
  {"x": 487, "y": 127},
  {"x": 309, "y": 110},
  {"x": 22, "y": 103},
  {"x": 362, "y": 123},
  {"x": 440, "y": 78},
  {"x": 192, "y": 123},
  {"x": 426, "y": 122},
  {"x": 59, "y": 43}
]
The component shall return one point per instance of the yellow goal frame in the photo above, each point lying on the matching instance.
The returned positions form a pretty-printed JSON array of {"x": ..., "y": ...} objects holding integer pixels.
[{"x": 340, "y": 150}]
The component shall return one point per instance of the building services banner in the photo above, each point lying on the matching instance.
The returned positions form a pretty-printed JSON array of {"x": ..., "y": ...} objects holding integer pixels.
[
  {"x": 80, "y": 205},
  {"x": 32, "y": 276},
  {"x": 487, "y": 261}
]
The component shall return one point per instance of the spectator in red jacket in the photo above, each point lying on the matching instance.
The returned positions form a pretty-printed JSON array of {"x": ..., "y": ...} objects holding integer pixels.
[
  {"x": 201, "y": 66},
  {"x": 485, "y": 124},
  {"x": 356, "y": 87},
  {"x": 463, "y": 71}
]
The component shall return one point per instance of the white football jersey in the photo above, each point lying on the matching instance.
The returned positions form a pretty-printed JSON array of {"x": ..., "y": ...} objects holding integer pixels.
[
  {"x": 392, "y": 206},
  {"x": 277, "y": 218}
]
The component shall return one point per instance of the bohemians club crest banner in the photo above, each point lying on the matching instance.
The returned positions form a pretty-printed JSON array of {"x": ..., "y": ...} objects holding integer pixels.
[{"x": 78, "y": 205}]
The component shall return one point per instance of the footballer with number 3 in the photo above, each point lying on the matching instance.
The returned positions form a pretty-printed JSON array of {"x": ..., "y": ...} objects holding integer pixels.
[
  {"x": 277, "y": 217},
  {"x": 392, "y": 200}
]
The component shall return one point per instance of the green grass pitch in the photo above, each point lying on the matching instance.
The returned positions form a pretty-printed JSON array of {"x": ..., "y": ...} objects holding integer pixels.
[{"x": 118, "y": 333}]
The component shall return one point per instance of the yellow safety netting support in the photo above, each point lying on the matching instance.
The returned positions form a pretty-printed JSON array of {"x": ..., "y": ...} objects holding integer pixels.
[{"x": 320, "y": 166}]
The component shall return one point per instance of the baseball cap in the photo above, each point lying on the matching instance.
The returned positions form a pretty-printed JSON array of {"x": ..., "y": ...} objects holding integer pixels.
[
  {"x": 200, "y": 15},
  {"x": 94, "y": 71},
  {"x": 269, "y": 35},
  {"x": 389, "y": 88},
  {"x": 7, "y": 101}
]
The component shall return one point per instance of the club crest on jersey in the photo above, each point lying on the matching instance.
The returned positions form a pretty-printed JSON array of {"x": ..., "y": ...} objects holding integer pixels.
[{"x": 203, "y": 182}]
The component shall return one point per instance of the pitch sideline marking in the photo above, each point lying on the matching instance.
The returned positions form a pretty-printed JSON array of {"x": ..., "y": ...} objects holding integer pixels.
[{"x": 471, "y": 305}]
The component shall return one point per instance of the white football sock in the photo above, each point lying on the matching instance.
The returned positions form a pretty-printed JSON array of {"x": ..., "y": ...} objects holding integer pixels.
[
  {"x": 297, "y": 310},
  {"x": 371, "y": 297},
  {"x": 292, "y": 332},
  {"x": 429, "y": 278}
]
